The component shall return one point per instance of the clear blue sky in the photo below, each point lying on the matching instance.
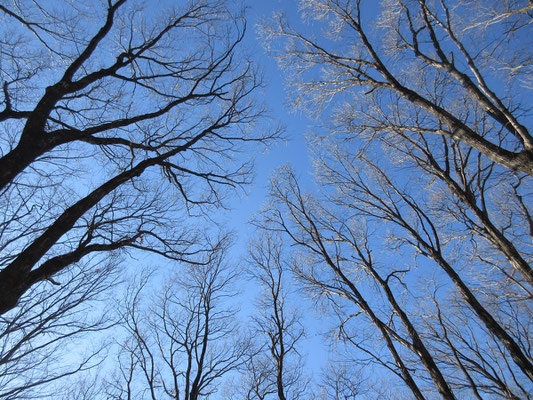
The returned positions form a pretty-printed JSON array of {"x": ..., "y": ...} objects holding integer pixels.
[{"x": 293, "y": 151}]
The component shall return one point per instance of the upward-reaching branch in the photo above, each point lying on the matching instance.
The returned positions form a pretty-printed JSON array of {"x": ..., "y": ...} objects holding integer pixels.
[
  {"x": 152, "y": 101},
  {"x": 364, "y": 65}
]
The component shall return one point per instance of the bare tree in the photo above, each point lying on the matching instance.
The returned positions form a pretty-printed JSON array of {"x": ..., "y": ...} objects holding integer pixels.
[
  {"x": 38, "y": 342},
  {"x": 439, "y": 39},
  {"x": 312, "y": 228},
  {"x": 118, "y": 120},
  {"x": 276, "y": 370},
  {"x": 338, "y": 262},
  {"x": 342, "y": 381},
  {"x": 424, "y": 216},
  {"x": 181, "y": 344}
]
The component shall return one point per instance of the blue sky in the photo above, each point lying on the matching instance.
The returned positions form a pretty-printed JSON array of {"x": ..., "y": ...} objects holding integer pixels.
[
  {"x": 296, "y": 124},
  {"x": 292, "y": 151}
]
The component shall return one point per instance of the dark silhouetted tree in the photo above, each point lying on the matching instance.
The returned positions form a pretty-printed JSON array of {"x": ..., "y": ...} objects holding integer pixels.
[
  {"x": 276, "y": 370},
  {"x": 182, "y": 340},
  {"x": 117, "y": 121}
]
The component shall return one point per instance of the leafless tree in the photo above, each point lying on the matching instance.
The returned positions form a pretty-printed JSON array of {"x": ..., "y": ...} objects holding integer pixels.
[
  {"x": 424, "y": 216},
  {"x": 312, "y": 228},
  {"x": 38, "y": 342},
  {"x": 437, "y": 40},
  {"x": 342, "y": 381},
  {"x": 118, "y": 119},
  {"x": 276, "y": 370},
  {"x": 338, "y": 262},
  {"x": 183, "y": 342}
]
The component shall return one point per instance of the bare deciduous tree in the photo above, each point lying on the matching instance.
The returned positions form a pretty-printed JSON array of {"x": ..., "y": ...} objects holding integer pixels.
[
  {"x": 342, "y": 382},
  {"x": 38, "y": 342},
  {"x": 424, "y": 219},
  {"x": 183, "y": 342},
  {"x": 441, "y": 40},
  {"x": 338, "y": 261},
  {"x": 117, "y": 121},
  {"x": 276, "y": 370}
]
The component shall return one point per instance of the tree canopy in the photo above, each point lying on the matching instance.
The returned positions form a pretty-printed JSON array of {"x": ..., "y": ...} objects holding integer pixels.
[{"x": 126, "y": 126}]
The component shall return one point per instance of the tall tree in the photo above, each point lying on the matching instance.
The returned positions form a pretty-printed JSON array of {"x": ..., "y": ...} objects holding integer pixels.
[
  {"x": 117, "y": 120},
  {"x": 40, "y": 341},
  {"x": 441, "y": 40},
  {"x": 276, "y": 369},
  {"x": 421, "y": 234},
  {"x": 183, "y": 342}
]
